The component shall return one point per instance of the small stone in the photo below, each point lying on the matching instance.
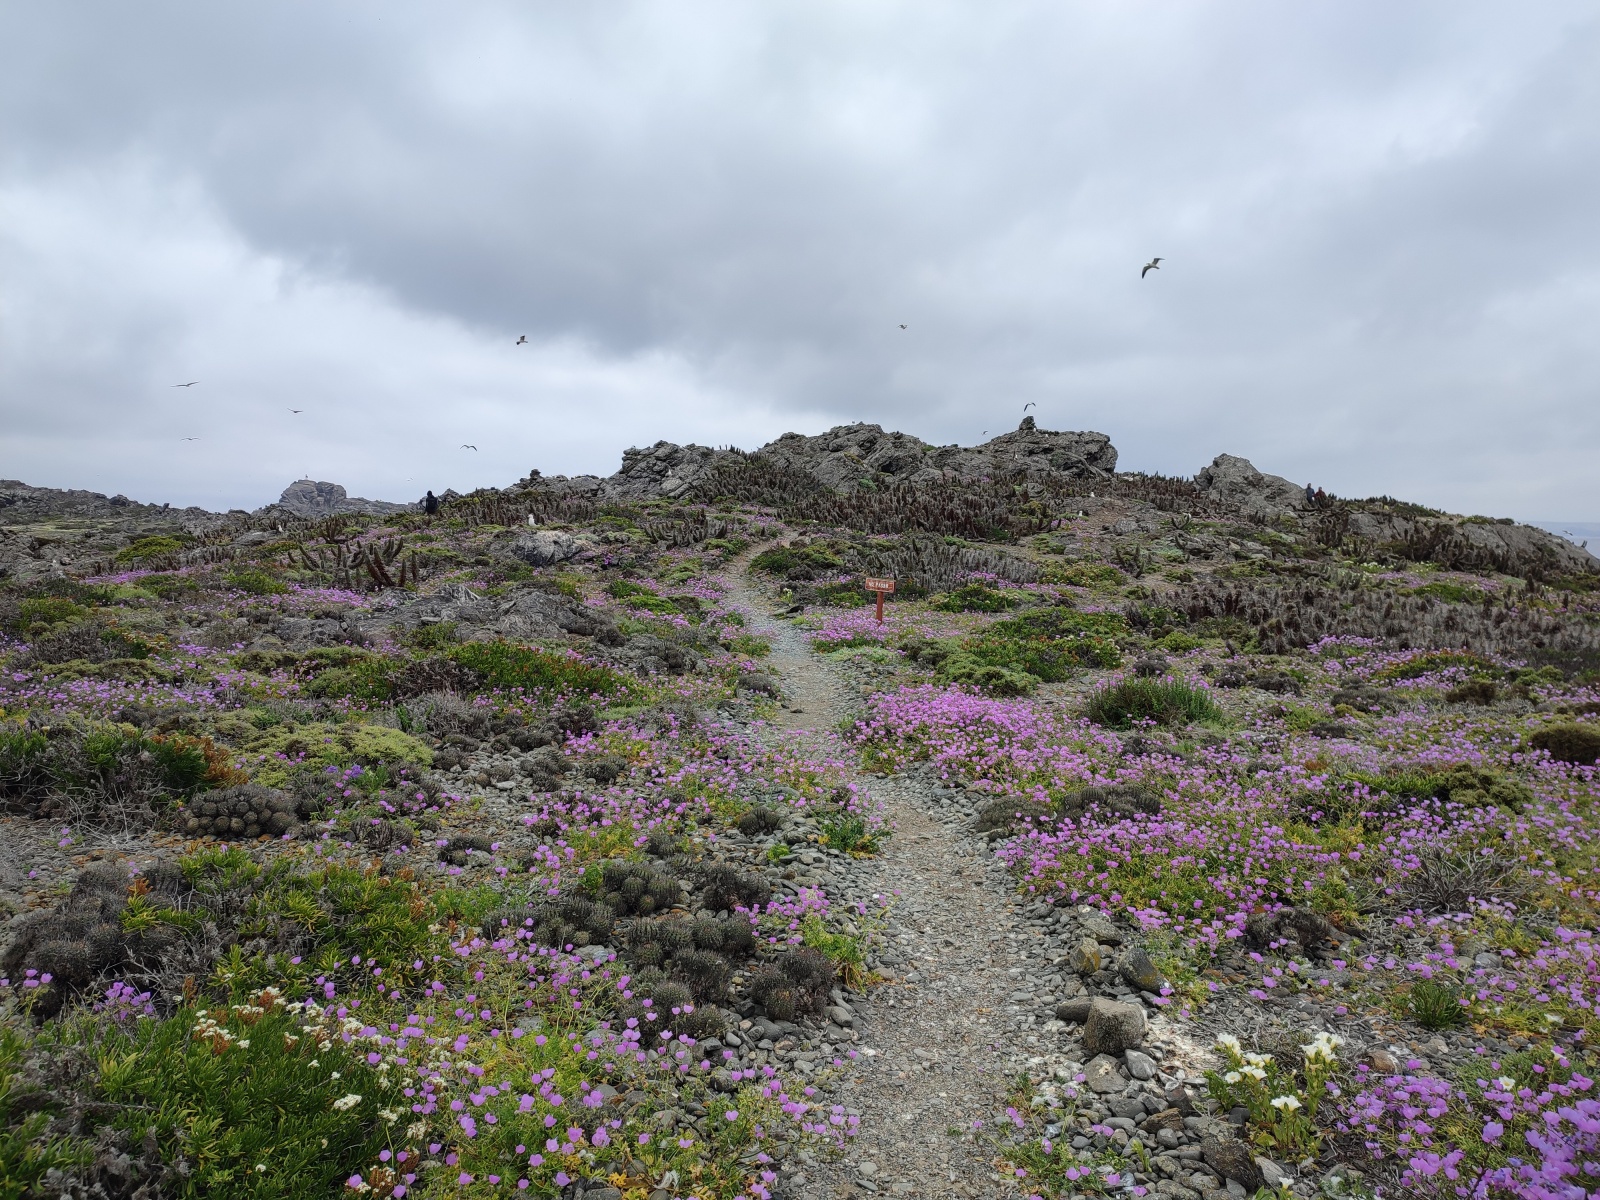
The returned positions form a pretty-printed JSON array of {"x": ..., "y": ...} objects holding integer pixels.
[
  {"x": 1382, "y": 1062},
  {"x": 840, "y": 1016},
  {"x": 1486, "y": 961},
  {"x": 1233, "y": 1161},
  {"x": 1084, "y": 958},
  {"x": 1180, "y": 1099},
  {"x": 1101, "y": 929},
  {"x": 867, "y": 1170},
  {"x": 1140, "y": 972},
  {"x": 1101, "y": 1076},
  {"x": 1140, "y": 1066},
  {"x": 1112, "y": 1027},
  {"x": 1075, "y": 1011},
  {"x": 1271, "y": 1171}
]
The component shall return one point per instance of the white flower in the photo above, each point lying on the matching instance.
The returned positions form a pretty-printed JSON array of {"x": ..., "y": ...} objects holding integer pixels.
[
  {"x": 1228, "y": 1042},
  {"x": 1258, "y": 1060},
  {"x": 1506, "y": 1083},
  {"x": 345, "y": 1103},
  {"x": 1232, "y": 1077},
  {"x": 1322, "y": 1047},
  {"x": 1284, "y": 1104},
  {"x": 1254, "y": 1072}
]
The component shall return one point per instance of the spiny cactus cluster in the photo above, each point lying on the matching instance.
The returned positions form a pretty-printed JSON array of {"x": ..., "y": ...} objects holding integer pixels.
[
  {"x": 634, "y": 889},
  {"x": 658, "y": 1003},
  {"x": 726, "y": 888},
  {"x": 797, "y": 983},
  {"x": 1288, "y": 617},
  {"x": 83, "y": 936},
  {"x": 246, "y": 811},
  {"x": 932, "y": 564},
  {"x": 458, "y": 850},
  {"x": 760, "y": 820},
  {"x": 700, "y": 953},
  {"x": 569, "y": 921}
]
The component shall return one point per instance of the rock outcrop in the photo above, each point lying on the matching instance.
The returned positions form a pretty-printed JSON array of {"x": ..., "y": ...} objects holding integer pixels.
[
  {"x": 317, "y": 498},
  {"x": 1235, "y": 482},
  {"x": 848, "y": 456}
]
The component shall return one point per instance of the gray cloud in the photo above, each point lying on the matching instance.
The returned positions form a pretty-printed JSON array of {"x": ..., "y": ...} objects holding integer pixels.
[{"x": 1380, "y": 269}]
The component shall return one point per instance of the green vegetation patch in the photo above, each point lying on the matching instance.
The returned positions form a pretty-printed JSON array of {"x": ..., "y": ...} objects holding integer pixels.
[
  {"x": 510, "y": 665},
  {"x": 1163, "y": 701},
  {"x": 978, "y": 597},
  {"x": 1439, "y": 660},
  {"x": 147, "y": 548},
  {"x": 257, "y": 583},
  {"x": 788, "y": 560},
  {"x": 276, "y": 752}
]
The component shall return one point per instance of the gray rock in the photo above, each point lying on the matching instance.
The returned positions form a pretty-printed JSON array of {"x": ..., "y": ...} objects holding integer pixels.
[
  {"x": 1139, "y": 971},
  {"x": 1076, "y": 1011},
  {"x": 317, "y": 498},
  {"x": 1101, "y": 929},
  {"x": 1084, "y": 958},
  {"x": 1127, "y": 1106},
  {"x": 1271, "y": 1172},
  {"x": 1232, "y": 1160},
  {"x": 1112, "y": 1027},
  {"x": 1140, "y": 1066},
  {"x": 546, "y": 547},
  {"x": 1100, "y": 1075},
  {"x": 1235, "y": 481},
  {"x": 840, "y": 1016}
]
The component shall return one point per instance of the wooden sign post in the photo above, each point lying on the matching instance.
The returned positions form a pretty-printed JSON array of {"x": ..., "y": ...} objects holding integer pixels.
[{"x": 881, "y": 586}]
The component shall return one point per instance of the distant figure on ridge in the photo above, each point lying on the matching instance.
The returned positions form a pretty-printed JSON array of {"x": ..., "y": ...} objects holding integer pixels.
[
  {"x": 1311, "y": 497},
  {"x": 1321, "y": 498},
  {"x": 430, "y": 503}
]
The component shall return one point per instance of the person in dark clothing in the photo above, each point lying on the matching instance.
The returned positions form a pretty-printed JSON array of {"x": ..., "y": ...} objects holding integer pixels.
[
  {"x": 1322, "y": 498},
  {"x": 1310, "y": 498},
  {"x": 430, "y": 503}
]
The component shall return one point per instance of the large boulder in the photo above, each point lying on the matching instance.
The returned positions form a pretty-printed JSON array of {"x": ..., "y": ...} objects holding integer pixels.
[
  {"x": 1235, "y": 482},
  {"x": 318, "y": 498},
  {"x": 547, "y": 547}
]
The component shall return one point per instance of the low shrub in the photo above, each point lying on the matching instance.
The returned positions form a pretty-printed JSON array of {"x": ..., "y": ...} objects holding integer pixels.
[
  {"x": 1164, "y": 701},
  {"x": 258, "y": 1099},
  {"x": 1569, "y": 742},
  {"x": 977, "y": 597},
  {"x": 964, "y": 670},
  {"x": 509, "y": 665},
  {"x": 849, "y": 832},
  {"x": 277, "y": 753},
  {"x": 1048, "y": 644},
  {"x": 799, "y": 561},
  {"x": 147, "y": 548},
  {"x": 257, "y": 583}
]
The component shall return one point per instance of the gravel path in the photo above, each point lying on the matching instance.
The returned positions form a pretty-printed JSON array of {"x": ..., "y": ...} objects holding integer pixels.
[{"x": 940, "y": 1042}]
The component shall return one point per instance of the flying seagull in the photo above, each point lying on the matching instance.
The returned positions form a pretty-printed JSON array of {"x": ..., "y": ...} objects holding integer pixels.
[
  {"x": 902, "y": 327},
  {"x": 520, "y": 340},
  {"x": 191, "y": 383},
  {"x": 297, "y": 410},
  {"x": 191, "y": 439},
  {"x": 1153, "y": 265},
  {"x": 1030, "y": 404},
  {"x": 464, "y": 446}
]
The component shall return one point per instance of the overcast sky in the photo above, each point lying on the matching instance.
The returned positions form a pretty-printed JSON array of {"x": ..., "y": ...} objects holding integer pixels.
[{"x": 1377, "y": 223}]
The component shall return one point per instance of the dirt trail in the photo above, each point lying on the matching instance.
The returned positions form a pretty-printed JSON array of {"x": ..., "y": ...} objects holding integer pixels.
[{"x": 937, "y": 1049}]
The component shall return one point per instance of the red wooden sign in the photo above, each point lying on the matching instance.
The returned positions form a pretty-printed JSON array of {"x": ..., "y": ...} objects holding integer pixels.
[{"x": 880, "y": 586}]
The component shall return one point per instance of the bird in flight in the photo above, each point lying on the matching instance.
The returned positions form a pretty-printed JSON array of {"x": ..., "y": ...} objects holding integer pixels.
[
  {"x": 191, "y": 439},
  {"x": 464, "y": 446},
  {"x": 902, "y": 327},
  {"x": 1030, "y": 404},
  {"x": 297, "y": 410},
  {"x": 191, "y": 383},
  {"x": 1153, "y": 265},
  {"x": 521, "y": 340}
]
